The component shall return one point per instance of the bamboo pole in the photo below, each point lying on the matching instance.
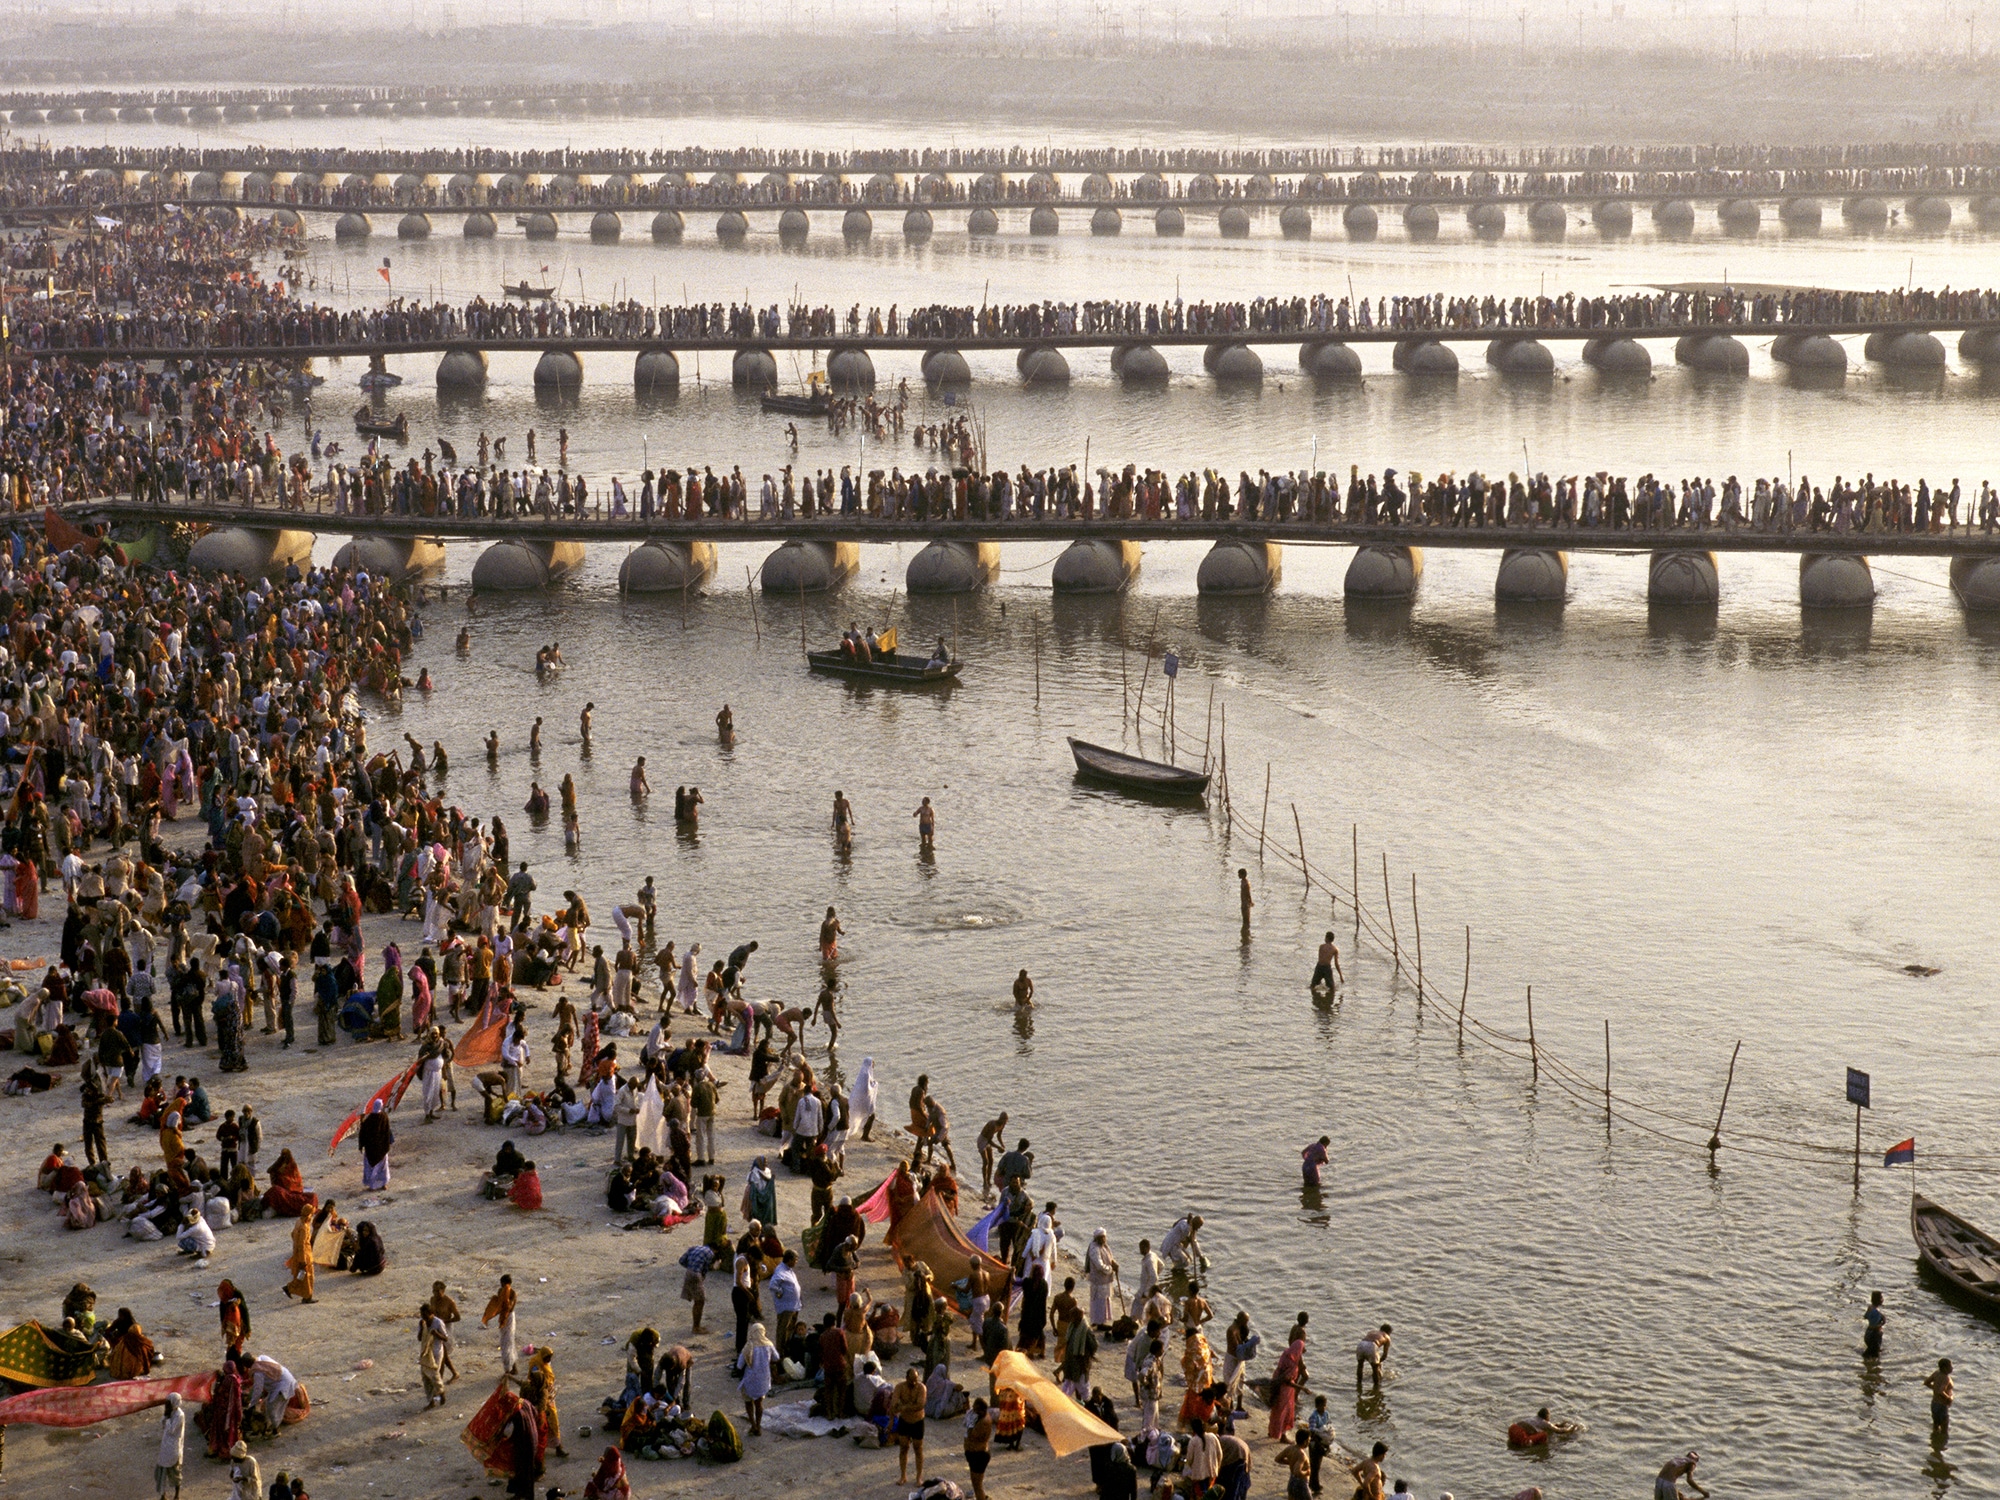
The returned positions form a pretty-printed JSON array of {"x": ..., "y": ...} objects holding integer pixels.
[
  {"x": 1124, "y": 686},
  {"x": 802, "y": 616},
  {"x": 750, "y": 588},
  {"x": 1304, "y": 868},
  {"x": 1395, "y": 942},
  {"x": 1715, "y": 1139},
  {"x": 1208, "y": 730},
  {"x": 1534, "y": 1051},
  {"x": 1356, "y": 888},
  {"x": 1265, "y": 816},
  {"x": 1607, "y": 1078},
  {"x": 1038, "y": 661},
  {"x": 1152, "y": 633},
  {"x": 1228, "y": 807},
  {"x": 1417, "y": 917},
  {"x": 1467, "y": 989}
]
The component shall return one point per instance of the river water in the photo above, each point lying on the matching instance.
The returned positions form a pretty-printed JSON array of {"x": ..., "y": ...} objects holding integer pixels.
[{"x": 1706, "y": 829}]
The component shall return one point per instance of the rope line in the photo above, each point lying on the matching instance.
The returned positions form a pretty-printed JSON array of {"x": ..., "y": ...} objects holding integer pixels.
[{"x": 1565, "y": 1077}]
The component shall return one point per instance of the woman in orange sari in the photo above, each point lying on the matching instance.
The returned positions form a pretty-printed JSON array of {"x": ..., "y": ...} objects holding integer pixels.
[
  {"x": 235, "y": 1314},
  {"x": 300, "y": 1261},
  {"x": 132, "y": 1353},
  {"x": 172, "y": 1145}
]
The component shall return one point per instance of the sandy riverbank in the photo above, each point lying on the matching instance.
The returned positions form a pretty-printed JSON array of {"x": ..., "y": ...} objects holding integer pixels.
[{"x": 585, "y": 1286}]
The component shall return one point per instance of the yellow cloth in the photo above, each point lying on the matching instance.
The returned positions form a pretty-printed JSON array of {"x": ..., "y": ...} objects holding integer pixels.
[{"x": 1066, "y": 1424}]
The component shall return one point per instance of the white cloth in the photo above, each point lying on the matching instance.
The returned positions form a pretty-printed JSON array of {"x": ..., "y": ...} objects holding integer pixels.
[
  {"x": 861, "y": 1097},
  {"x": 603, "y": 1100},
  {"x": 433, "y": 1076},
  {"x": 1042, "y": 1247},
  {"x": 650, "y": 1131}
]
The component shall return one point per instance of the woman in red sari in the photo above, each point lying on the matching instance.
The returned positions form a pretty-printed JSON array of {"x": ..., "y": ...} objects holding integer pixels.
[
  {"x": 28, "y": 890},
  {"x": 1285, "y": 1382},
  {"x": 287, "y": 1194},
  {"x": 222, "y": 1413},
  {"x": 507, "y": 1440},
  {"x": 527, "y": 1189}
]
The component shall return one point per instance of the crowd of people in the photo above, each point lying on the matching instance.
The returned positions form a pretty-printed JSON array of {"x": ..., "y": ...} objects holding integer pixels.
[
  {"x": 136, "y": 698},
  {"x": 187, "y": 760},
  {"x": 1443, "y": 157},
  {"x": 1472, "y": 500},
  {"x": 253, "y": 317},
  {"x": 196, "y": 426},
  {"x": 695, "y": 178}
]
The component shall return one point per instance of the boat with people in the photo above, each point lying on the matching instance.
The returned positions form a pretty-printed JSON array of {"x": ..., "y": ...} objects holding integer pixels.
[
  {"x": 380, "y": 380},
  {"x": 1965, "y": 1257},
  {"x": 874, "y": 658},
  {"x": 813, "y": 404},
  {"x": 1133, "y": 773},
  {"x": 527, "y": 293},
  {"x": 369, "y": 425}
]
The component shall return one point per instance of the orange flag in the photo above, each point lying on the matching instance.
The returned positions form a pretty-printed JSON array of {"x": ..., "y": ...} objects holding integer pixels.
[{"x": 480, "y": 1046}]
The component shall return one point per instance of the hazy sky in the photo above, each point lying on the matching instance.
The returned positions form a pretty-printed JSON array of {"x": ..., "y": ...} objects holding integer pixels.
[{"x": 1724, "y": 26}]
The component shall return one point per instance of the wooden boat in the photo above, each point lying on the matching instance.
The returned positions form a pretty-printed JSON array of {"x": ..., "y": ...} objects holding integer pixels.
[
  {"x": 886, "y": 666},
  {"x": 380, "y": 380},
  {"x": 527, "y": 293},
  {"x": 369, "y": 425},
  {"x": 814, "y": 405},
  {"x": 1131, "y": 773},
  {"x": 1967, "y": 1259}
]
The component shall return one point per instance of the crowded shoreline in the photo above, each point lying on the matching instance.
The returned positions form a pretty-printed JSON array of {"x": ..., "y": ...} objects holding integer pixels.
[
  {"x": 244, "y": 914},
  {"x": 245, "y": 779}
]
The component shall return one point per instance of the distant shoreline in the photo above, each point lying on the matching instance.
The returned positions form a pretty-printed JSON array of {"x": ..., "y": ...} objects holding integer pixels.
[{"x": 1298, "y": 95}]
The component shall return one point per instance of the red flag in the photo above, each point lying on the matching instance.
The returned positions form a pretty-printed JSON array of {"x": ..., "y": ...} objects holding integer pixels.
[
  {"x": 62, "y": 536},
  {"x": 388, "y": 1096},
  {"x": 383, "y": 272}
]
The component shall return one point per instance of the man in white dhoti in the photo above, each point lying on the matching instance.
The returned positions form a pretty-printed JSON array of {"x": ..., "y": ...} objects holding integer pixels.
[{"x": 1102, "y": 1270}]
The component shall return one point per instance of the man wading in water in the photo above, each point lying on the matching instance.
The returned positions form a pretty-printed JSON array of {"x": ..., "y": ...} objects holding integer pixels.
[{"x": 1328, "y": 967}]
